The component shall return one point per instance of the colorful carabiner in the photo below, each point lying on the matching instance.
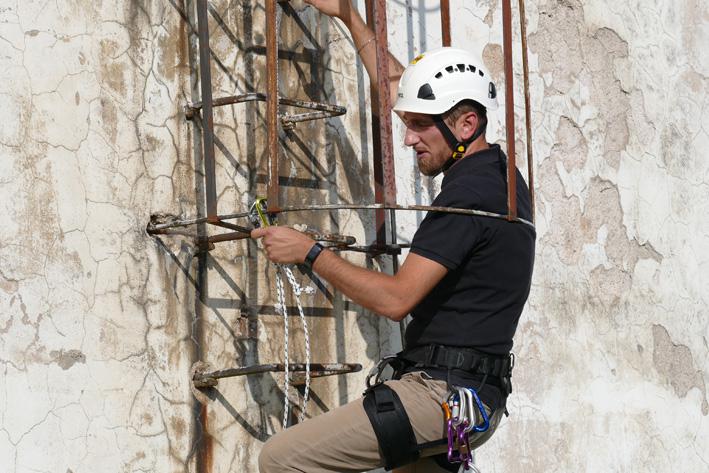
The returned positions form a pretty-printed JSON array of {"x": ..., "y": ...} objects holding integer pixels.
[
  {"x": 446, "y": 410},
  {"x": 259, "y": 216},
  {"x": 486, "y": 421},
  {"x": 460, "y": 415}
]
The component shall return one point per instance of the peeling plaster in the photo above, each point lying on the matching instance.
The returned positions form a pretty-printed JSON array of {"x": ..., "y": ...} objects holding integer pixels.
[
  {"x": 67, "y": 359},
  {"x": 675, "y": 363}
]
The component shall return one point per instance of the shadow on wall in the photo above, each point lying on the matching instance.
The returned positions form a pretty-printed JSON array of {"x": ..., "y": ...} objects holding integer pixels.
[{"x": 326, "y": 164}]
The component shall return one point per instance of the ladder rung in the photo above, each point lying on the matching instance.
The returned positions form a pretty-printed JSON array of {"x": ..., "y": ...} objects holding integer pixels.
[{"x": 317, "y": 370}]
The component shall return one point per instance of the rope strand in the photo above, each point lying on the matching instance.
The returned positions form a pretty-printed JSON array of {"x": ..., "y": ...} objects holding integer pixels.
[
  {"x": 284, "y": 312},
  {"x": 297, "y": 291}
]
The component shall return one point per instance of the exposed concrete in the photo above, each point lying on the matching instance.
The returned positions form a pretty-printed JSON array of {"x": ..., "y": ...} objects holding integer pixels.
[
  {"x": 100, "y": 324},
  {"x": 675, "y": 363}
]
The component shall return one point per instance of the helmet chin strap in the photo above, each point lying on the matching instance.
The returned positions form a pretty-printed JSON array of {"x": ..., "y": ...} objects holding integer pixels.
[{"x": 456, "y": 145}]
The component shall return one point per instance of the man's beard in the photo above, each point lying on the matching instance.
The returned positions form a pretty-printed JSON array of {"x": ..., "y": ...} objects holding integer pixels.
[{"x": 427, "y": 168}]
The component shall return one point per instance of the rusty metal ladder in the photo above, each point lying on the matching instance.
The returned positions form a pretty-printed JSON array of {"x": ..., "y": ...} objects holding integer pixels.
[{"x": 164, "y": 224}]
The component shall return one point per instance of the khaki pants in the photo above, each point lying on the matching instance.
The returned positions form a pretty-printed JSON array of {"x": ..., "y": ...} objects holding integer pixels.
[{"x": 342, "y": 440}]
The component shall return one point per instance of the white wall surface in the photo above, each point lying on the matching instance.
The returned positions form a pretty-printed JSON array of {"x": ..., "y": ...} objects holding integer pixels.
[{"x": 100, "y": 324}]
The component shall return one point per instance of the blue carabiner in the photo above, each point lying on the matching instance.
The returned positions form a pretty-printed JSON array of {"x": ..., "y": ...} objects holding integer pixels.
[{"x": 486, "y": 421}]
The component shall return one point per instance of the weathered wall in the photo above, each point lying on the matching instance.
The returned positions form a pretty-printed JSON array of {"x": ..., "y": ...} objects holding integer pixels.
[
  {"x": 100, "y": 324},
  {"x": 614, "y": 350}
]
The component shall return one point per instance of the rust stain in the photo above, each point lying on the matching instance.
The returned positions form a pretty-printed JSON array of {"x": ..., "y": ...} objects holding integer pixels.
[
  {"x": 206, "y": 450},
  {"x": 179, "y": 426},
  {"x": 112, "y": 75},
  {"x": 109, "y": 118},
  {"x": 169, "y": 44}
]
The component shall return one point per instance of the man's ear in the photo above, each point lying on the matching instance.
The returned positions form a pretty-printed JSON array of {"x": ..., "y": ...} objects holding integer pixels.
[{"x": 467, "y": 124}]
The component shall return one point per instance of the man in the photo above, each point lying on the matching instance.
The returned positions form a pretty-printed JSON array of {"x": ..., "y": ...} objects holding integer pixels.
[{"x": 464, "y": 282}]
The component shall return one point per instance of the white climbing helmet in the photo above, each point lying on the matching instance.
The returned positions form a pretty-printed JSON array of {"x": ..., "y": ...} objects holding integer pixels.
[{"x": 435, "y": 81}]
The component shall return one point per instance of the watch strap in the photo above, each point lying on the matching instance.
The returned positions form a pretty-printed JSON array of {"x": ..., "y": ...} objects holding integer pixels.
[{"x": 313, "y": 255}]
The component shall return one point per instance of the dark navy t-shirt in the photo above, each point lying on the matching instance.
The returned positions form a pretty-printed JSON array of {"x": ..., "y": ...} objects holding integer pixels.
[{"x": 479, "y": 301}]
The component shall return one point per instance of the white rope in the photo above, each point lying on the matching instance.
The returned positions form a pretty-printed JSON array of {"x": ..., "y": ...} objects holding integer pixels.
[
  {"x": 282, "y": 308},
  {"x": 297, "y": 291},
  {"x": 284, "y": 311}
]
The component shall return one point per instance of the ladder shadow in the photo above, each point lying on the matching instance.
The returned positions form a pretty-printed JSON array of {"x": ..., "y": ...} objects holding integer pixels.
[{"x": 316, "y": 82}]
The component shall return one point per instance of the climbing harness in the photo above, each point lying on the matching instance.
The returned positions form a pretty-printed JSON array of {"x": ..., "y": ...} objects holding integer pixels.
[
  {"x": 259, "y": 217},
  {"x": 378, "y": 371},
  {"x": 496, "y": 369},
  {"x": 391, "y": 425},
  {"x": 459, "y": 410},
  {"x": 388, "y": 416}
]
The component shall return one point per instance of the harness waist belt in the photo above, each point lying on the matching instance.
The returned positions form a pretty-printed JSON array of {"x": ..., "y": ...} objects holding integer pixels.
[{"x": 467, "y": 359}]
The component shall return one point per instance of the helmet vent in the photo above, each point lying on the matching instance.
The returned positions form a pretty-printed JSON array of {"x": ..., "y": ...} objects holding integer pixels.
[
  {"x": 461, "y": 67},
  {"x": 480, "y": 71},
  {"x": 439, "y": 75},
  {"x": 426, "y": 93},
  {"x": 449, "y": 69},
  {"x": 471, "y": 68}
]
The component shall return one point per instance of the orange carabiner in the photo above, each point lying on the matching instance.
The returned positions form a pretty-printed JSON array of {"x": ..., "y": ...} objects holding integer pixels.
[{"x": 447, "y": 410}]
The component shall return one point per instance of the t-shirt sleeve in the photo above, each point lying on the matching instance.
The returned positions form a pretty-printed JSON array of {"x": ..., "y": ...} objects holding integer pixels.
[{"x": 448, "y": 238}]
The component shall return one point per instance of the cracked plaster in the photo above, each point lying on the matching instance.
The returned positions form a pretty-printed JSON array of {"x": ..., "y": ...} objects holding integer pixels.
[{"x": 99, "y": 324}]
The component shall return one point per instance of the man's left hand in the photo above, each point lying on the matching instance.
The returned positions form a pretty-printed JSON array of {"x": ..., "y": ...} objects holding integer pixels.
[{"x": 283, "y": 244}]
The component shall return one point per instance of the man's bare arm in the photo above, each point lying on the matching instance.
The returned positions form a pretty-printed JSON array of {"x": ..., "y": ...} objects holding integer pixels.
[
  {"x": 392, "y": 296},
  {"x": 363, "y": 38}
]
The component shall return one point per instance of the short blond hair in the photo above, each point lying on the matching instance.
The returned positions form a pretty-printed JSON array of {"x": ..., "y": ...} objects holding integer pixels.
[{"x": 462, "y": 108}]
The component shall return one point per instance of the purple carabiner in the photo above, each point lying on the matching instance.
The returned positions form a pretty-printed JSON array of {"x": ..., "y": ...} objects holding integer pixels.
[
  {"x": 463, "y": 440},
  {"x": 469, "y": 455},
  {"x": 451, "y": 442}
]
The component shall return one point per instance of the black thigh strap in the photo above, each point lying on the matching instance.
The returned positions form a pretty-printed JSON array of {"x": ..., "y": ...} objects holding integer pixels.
[{"x": 391, "y": 426}]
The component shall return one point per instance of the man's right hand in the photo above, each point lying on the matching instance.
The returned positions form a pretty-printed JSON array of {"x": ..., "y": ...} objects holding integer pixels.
[{"x": 341, "y": 9}]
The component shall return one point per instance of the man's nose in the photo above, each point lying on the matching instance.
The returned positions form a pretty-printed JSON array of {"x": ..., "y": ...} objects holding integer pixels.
[{"x": 410, "y": 138}]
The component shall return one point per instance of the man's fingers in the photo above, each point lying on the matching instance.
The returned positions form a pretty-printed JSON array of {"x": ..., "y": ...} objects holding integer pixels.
[{"x": 257, "y": 233}]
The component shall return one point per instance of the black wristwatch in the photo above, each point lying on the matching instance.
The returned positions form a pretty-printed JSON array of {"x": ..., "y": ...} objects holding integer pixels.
[{"x": 313, "y": 255}]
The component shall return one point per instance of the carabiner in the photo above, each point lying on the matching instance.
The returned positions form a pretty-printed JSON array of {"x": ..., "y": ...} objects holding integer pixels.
[
  {"x": 469, "y": 409},
  {"x": 486, "y": 420},
  {"x": 462, "y": 408},
  {"x": 451, "y": 433},
  {"x": 454, "y": 403},
  {"x": 446, "y": 410},
  {"x": 377, "y": 370},
  {"x": 259, "y": 216}
]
